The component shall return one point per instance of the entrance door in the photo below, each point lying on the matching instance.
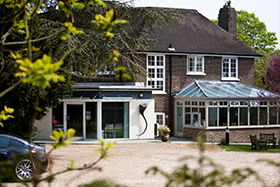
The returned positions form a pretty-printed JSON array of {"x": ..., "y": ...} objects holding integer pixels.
[
  {"x": 74, "y": 118},
  {"x": 179, "y": 122}
]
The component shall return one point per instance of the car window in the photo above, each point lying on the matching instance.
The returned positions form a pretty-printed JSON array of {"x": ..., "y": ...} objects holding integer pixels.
[
  {"x": 15, "y": 144},
  {"x": 4, "y": 141}
]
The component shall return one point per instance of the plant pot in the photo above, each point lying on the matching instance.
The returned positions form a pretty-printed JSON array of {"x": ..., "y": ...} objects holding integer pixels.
[{"x": 165, "y": 138}]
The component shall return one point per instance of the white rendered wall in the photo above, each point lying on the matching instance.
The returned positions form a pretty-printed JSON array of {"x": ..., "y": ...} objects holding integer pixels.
[
  {"x": 137, "y": 122},
  {"x": 44, "y": 125}
]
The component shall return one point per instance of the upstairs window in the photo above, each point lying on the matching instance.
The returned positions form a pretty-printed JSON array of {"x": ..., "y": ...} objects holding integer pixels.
[
  {"x": 195, "y": 65},
  {"x": 230, "y": 68},
  {"x": 156, "y": 71}
]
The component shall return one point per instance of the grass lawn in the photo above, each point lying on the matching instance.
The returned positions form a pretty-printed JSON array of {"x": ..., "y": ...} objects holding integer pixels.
[{"x": 247, "y": 148}]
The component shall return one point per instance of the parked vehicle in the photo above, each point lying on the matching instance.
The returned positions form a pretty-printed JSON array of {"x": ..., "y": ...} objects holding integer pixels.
[{"x": 26, "y": 157}]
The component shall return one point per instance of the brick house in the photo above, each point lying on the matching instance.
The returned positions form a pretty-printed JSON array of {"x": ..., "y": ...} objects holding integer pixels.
[
  {"x": 198, "y": 75},
  {"x": 205, "y": 77}
]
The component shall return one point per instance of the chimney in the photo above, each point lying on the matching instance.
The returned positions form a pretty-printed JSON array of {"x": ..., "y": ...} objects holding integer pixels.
[{"x": 227, "y": 19}]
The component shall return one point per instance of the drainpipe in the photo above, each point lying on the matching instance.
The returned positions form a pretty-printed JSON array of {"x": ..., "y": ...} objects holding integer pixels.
[{"x": 170, "y": 88}]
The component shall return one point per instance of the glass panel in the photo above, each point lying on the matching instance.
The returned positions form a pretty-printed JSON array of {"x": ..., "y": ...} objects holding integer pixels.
[
  {"x": 180, "y": 103},
  {"x": 187, "y": 116},
  {"x": 151, "y": 60},
  {"x": 191, "y": 64},
  {"x": 75, "y": 118},
  {"x": 194, "y": 103},
  {"x": 57, "y": 117},
  {"x": 196, "y": 119},
  {"x": 151, "y": 73},
  {"x": 212, "y": 117},
  {"x": 199, "y": 64},
  {"x": 115, "y": 118},
  {"x": 223, "y": 117},
  {"x": 160, "y": 85},
  {"x": 91, "y": 120},
  {"x": 179, "y": 119},
  {"x": 233, "y": 68},
  {"x": 273, "y": 115},
  {"x": 159, "y": 73},
  {"x": 263, "y": 115},
  {"x": 187, "y": 103},
  {"x": 159, "y": 119},
  {"x": 243, "y": 116},
  {"x": 233, "y": 116},
  {"x": 225, "y": 67},
  {"x": 151, "y": 83},
  {"x": 253, "y": 116},
  {"x": 202, "y": 113},
  {"x": 201, "y": 103},
  {"x": 159, "y": 60}
]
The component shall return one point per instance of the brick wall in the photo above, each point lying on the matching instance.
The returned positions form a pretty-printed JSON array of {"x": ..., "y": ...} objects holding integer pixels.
[
  {"x": 227, "y": 19},
  {"x": 235, "y": 135},
  {"x": 212, "y": 68}
]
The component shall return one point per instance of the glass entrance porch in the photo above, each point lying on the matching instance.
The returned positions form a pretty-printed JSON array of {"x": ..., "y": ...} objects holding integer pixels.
[{"x": 111, "y": 122}]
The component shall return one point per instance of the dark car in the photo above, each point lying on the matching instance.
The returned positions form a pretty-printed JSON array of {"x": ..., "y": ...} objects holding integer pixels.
[{"x": 18, "y": 151}]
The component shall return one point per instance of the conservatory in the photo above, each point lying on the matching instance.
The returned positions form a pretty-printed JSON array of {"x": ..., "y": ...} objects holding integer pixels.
[{"x": 218, "y": 104}]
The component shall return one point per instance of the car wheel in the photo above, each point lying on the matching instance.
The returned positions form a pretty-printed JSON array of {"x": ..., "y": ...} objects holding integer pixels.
[{"x": 24, "y": 169}]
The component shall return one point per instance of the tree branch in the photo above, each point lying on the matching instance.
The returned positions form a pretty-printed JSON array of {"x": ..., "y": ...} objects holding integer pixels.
[
  {"x": 35, "y": 40},
  {"x": 9, "y": 89}
]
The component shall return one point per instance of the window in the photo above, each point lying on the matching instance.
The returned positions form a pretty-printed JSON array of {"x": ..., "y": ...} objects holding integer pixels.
[
  {"x": 115, "y": 119},
  {"x": 195, "y": 65},
  {"x": 4, "y": 142},
  {"x": 230, "y": 68},
  {"x": 156, "y": 71},
  {"x": 15, "y": 144},
  {"x": 160, "y": 118}
]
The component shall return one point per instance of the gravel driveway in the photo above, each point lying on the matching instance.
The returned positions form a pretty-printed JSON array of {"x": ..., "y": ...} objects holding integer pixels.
[{"x": 127, "y": 163}]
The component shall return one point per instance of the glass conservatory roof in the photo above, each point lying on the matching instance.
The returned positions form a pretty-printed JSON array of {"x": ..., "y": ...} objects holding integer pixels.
[{"x": 219, "y": 89}]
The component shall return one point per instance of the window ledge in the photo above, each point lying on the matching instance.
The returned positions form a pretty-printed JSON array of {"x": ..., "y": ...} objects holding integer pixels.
[
  {"x": 158, "y": 92},
  {"x": 230, "y": 79},
  {"x": 196, "y": 73}
]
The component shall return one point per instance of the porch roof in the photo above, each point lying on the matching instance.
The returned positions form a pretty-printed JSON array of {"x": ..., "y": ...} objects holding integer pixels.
[
  {"x": 113, "y": 86},
  {"x": 219, "y": 89}
]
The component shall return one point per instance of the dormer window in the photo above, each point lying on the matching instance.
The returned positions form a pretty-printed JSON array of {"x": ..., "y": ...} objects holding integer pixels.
[
  {"x": 229, "y": 68},
  {"x": 195, "y": 65}
]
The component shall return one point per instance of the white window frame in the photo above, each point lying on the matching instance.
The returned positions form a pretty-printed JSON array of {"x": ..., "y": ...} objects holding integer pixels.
[
  {"x": 229, "y": 69},
  {"x": 163, "y": 117},
  {"x": 195, "y": 72},
  {"x": 156, "y": 69}
]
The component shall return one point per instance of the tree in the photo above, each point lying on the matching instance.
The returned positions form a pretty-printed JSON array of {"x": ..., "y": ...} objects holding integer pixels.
[
  {"x": 40, "y": 76},
  {"x": 91, "y": 50},
  {"x": 272, "y": 74},
  {"x": 253, "y": 32}
]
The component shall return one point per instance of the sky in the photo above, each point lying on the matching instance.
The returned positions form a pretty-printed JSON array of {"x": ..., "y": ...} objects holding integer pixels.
[{"x": 268, "y": 11}]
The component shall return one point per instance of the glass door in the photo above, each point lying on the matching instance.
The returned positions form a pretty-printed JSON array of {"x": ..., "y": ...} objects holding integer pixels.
[
  {"x": 74, "y": 118},
  {"x": 179, "y": 121}
]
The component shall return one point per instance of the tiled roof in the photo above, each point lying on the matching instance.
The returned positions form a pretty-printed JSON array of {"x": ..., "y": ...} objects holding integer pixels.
[
  {"x": 219, "y": 89},
  {"x": 196, "y": 34}
]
